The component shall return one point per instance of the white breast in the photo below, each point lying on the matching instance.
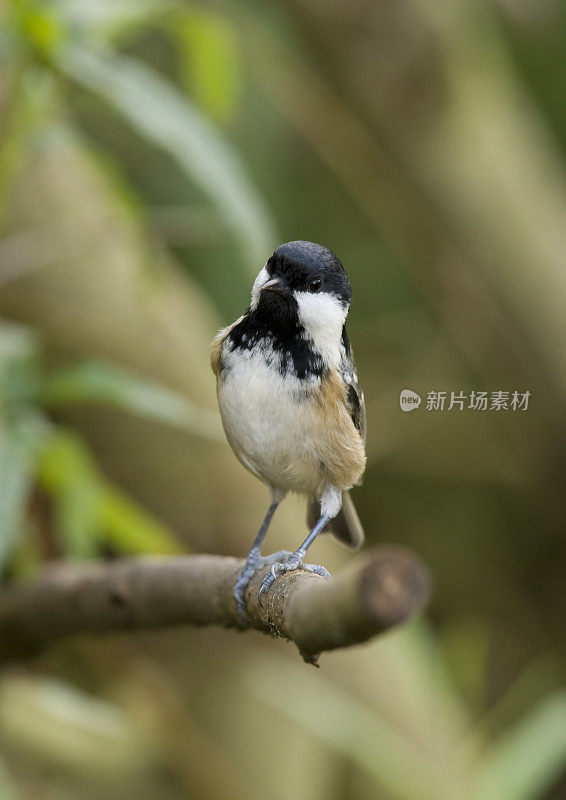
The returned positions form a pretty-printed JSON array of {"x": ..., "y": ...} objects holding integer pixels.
[{"x": 265, "y": 414}]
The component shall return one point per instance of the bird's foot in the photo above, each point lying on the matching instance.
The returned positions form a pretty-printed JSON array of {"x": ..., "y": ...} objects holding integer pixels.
[
  {"x": 292, "y": 563},
  {"x": 254, "y": 562}
]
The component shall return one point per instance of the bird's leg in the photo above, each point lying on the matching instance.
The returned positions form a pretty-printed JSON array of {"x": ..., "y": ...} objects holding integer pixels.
[
  {"x": 255, "y": 560},
  {"x": 295, "y": 560}
]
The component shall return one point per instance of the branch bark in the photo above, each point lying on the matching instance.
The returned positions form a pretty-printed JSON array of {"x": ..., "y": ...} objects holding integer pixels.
[{"x": 376, "y": 591}]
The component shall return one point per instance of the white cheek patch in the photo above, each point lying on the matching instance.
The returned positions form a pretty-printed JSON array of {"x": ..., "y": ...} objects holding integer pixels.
[
  {"x": 260, "y": 281},
  {"x": 323, "y": 316}
]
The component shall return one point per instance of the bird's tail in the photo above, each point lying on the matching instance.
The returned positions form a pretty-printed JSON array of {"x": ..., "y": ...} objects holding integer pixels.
[{"x": 345, "y": 526}]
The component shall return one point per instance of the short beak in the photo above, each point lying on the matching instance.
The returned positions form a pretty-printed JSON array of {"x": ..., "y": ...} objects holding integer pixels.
[{"x": 273, "y": 285}]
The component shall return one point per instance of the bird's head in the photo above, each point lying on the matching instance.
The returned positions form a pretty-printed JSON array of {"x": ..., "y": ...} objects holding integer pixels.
[{"x": 305, "y": 283}]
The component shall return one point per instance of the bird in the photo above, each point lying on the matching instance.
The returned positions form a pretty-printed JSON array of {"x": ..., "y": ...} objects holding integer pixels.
[{"x": 291, "y": 406}]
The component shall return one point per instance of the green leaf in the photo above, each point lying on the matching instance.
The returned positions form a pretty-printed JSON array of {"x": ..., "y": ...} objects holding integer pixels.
[
  {"x": 111, "y": 20},
  {"x": 68, "y": 474},
  {"x": 89, "y": 511},
  {"x": 466, "y": 644},
  {"x": 210, "y": 62},
  {"x": 131, "y": 529},
  {"x": 158, "y": 111},
  {"x": 525, "y": 762},
  {"x": 77, "y": 518},
  {"x": 97, "y": 382},
  {"x": 29, "y": 98},
  {"x": 17, "y": 456},
  {"x": 19, "y": 350},
  {"x": 21, "y": 430},
  {"x": 41, "y": 26}
]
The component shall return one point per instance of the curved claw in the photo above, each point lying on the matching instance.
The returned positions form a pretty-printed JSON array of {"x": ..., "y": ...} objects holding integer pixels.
[
  {"x": 266, "y": 585},
  {"x": 318, "y": 569},
  {"x": 241, "y": 585},
  {"x": 291, "y": 564},
  {"x": 253, "y": 563}
]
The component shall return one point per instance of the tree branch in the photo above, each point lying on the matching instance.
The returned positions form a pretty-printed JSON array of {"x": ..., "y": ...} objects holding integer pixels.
[{"x": 376, "y": 591}]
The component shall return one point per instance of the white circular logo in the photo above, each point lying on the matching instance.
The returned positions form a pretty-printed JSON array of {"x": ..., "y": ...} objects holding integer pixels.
[{"x": 409, "y": 400}]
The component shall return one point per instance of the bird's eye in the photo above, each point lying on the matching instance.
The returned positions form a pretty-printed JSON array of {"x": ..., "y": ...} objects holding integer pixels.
[{"x": 315, "y": 285}]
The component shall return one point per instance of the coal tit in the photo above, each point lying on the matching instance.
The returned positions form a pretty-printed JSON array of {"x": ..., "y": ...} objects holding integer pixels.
[{"x": 289, "y": 399}]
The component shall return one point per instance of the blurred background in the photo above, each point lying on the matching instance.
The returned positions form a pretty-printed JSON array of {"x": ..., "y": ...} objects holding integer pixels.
[{"x": 152, "y": 156}]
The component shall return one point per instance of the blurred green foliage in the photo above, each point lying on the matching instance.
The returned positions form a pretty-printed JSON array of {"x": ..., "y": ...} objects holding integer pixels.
[
  {"x": 152, "y": 154},
  {"x": 88, "y": 512}
]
